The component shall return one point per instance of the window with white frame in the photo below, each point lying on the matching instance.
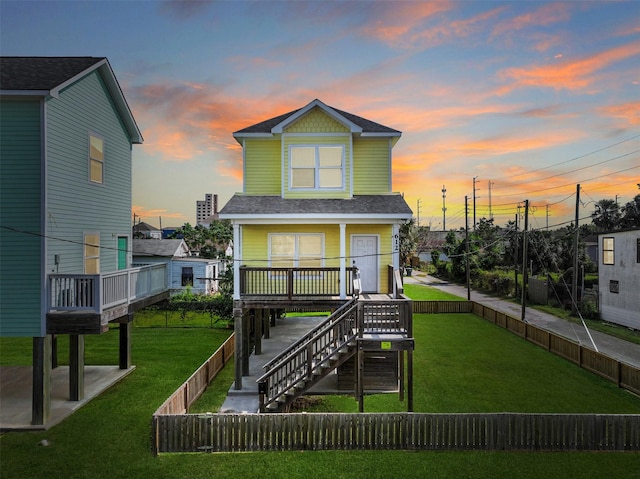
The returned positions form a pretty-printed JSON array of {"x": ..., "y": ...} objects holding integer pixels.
[
  {"x": 296, "y": 250},
  {"x": 608, "y": 249},
  {"x": 317, "y": 167},
  {"x": 96, "y": 159}
]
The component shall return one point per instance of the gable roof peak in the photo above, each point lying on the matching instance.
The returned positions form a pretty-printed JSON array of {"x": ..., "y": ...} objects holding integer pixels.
[{"x": 356, "y": 124}]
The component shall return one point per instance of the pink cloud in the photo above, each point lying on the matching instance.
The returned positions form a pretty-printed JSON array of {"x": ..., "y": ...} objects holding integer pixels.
[{"x": 568, "y": 75}]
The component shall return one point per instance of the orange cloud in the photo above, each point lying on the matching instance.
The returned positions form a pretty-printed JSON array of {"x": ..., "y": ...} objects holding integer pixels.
[
  {"x": 570, "y": 75},
  {"x": 545, "y": 15},
  {"x": 152, "y": 215},
  {"x": 629, "y": 112}
]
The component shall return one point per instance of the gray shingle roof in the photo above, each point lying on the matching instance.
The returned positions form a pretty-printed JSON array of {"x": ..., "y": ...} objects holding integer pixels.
[
  {"x": 155, "y": 247},
  {"x": 367, "y": 126},
  {"x": 41, "y": 73},
  {"x": 276, "y": 205}
]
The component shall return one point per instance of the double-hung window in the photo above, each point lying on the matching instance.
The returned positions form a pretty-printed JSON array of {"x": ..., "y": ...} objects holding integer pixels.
[
  {"x": 317, "y": 167},
  {"x": 296, "y": 250},
  {"x": 608, "y": 250},
  {"x": 96, "y": 159}
]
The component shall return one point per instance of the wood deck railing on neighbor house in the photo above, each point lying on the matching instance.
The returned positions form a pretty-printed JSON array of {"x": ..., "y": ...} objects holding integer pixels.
[
  {"x": 290, "y": 282},
  {"x": 98, "y": 292}
]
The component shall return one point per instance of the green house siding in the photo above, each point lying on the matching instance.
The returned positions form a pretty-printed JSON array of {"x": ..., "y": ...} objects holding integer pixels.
[
  {"x": 75, "y": 205},
  {"x": 371, "y": 166},
  {"x": 21, "y": 279},
  {"x": 262, "y": 166}
]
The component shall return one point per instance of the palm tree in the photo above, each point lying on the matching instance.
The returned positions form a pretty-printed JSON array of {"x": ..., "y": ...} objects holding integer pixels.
[{"x": 607, "y": 215}]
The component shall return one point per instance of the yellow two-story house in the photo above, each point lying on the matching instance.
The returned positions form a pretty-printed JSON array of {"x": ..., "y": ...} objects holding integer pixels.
[
  {"x": 316, "y": 227},
  {"x": 316, "y": 199}
]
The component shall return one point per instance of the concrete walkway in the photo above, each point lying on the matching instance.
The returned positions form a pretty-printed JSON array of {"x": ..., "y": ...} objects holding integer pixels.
[
  {"x": 15, "y": 393},
  {"x": 616, "y": 348},
  {"x": 286, "y": 331}
]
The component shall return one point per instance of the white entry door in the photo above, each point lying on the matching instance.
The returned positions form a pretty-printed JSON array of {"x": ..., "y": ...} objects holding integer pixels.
[{"x": 364, "y": 252}]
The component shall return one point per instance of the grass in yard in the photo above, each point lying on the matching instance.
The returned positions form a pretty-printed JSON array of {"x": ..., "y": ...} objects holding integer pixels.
[
  {"x": 418, "y": 292},
  {"x": 462, "y": 367}
]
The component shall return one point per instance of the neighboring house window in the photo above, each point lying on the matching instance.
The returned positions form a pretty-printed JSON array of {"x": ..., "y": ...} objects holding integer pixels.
[
  {"x": 317, "y": 167},
  {"x": 296, "y": 250},
  {"x": 96, "y": 159},
  {"x": 187, "y": 276},
  {"x": 608, "y": 251},
  {"x": 92, "y": 253}
]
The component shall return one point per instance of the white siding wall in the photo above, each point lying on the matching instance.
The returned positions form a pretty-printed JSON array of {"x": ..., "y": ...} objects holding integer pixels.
[{"x": 622, "y": 307}]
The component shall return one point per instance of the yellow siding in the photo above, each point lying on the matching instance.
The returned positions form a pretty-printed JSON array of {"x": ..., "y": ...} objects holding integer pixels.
[
  {"x": 316, "y": 121},
  {"x": 262, "y": 175},
  {"x": 371, "y": 166},
  {"x": 255, "y": 244}
]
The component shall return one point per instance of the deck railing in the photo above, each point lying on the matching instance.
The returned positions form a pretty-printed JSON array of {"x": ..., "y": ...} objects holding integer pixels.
[
  {"x": 97, "y": 292},
  {"x": 291, "y": 282}
]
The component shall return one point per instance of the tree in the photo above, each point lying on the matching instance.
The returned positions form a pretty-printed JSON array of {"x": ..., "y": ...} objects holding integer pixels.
[
  {"x": 407, "y": 241},
  {"x": 606, "y": 215},
  {"x": 208, "y": 242},
  {"x": 631, "y": 213}
]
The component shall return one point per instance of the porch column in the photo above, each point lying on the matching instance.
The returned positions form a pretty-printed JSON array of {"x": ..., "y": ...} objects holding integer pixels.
[
  {"x": 239, "y": 340},
  {"x": 343, "y": 261},
  {"x": 395, "y": 246},
  {"x": 237, "y": 259},
  {"x": 41, "y": 388}
]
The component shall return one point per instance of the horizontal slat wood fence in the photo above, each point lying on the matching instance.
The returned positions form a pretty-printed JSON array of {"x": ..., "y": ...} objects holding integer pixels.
[{"x": 409, "y": 431}]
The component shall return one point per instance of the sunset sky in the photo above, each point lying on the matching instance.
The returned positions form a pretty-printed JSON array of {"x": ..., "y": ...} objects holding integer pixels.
[{"x": 527, "y": 97}]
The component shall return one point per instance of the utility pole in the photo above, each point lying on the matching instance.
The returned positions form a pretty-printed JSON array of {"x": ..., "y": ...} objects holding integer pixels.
[
  {"x": 524, "y": 258},
  {"x": 466, "y": 240},
  {"x": 419, "y": 212},
  {"x": 474, "y": 202},
  {"x": 515, "y": 256},
  {"x": 547, "y": 217},
  {"x": 490, "y": 212},
  {"x": 444, "y": 209},
  {"x": 574, "y": 282}
]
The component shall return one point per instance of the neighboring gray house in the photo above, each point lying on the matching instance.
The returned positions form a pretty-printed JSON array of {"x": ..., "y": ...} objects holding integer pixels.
[
  {"x": 200, "y": 274},
  {"x": 619, "y": 278},
  {"x": 66, "y": 137}
]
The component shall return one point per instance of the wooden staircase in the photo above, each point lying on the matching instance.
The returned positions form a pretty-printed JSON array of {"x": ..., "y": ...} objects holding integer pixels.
[{"x": 309, "y": 359}]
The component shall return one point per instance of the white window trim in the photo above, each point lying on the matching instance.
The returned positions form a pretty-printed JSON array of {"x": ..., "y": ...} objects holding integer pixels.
[
  {"x": 317, "y": 186},
  {"x": 612, "y": 251}
]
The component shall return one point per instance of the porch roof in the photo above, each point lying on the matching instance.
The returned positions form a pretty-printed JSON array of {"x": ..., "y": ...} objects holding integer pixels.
[{"x": 391, "y": 206}]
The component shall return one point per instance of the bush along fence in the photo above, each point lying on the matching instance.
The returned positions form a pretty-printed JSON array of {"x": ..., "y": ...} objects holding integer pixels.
[{"x": 174, "y": 430}]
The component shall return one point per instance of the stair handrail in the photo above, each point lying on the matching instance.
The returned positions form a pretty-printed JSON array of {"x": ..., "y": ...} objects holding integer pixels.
[
  {"x": 332, "y": 317},
  {"x": 304, "y": 368}
]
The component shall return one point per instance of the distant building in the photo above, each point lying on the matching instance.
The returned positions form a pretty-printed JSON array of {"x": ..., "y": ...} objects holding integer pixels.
[
  {"x": 207, "y": 210},
  {"x": 144, "y": 230},
  {"x": 619, "y": 278}
]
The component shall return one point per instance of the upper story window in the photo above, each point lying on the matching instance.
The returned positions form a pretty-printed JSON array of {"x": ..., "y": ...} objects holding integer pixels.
[
  {"x": 317, "y": 167},
  {"x": 608, "y": 251},
  {"x": 96, "y": 159}
]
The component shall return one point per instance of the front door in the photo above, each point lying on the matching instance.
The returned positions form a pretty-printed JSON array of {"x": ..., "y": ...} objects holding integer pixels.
[
  {"x": 364, "y": 253},
  {"x": 122, "y": 252}
]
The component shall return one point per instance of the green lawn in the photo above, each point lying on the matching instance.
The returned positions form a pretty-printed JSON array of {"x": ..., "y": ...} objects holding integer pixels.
[
  {"x": 462, "y": 364},
  {"x": 419, "y": 292}
]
